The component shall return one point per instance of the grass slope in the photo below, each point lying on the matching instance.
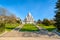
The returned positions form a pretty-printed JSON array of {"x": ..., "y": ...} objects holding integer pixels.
[
  {"x": 9, "y": 27},
  {"x": 49, "y": 28},
  {"x": 29, "y": 27}
]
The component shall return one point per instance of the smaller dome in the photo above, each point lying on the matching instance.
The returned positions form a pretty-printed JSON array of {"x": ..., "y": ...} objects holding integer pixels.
[{"x": 29, "y": 14}]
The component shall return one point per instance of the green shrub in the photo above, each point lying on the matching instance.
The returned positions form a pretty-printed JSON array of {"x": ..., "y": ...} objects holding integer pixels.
[
  {"x": 47, "y": 22},
  {"x": 2, "y": 27}
]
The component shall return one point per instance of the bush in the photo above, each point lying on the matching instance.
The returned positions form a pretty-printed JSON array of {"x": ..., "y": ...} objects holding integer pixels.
[
  {"x": 48, "y": 22},
  {"x": 2, "y": 27}
]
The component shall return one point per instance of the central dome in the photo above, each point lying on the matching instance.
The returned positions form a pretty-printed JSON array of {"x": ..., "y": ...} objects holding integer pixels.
[{"x": 29, "y": 18}]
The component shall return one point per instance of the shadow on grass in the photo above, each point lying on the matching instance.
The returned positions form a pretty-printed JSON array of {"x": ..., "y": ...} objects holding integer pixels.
[
  {"x": 9, "y": 29},
  {"x": 50, "y": 29},
  {"x": 27, "y": 30}
]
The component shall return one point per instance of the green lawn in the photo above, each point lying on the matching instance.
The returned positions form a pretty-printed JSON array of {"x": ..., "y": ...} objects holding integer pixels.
[
  {"x": 49, "y": 28},
  {"x": 9, "y": 27},
  {"x": 29, "y": 27}
]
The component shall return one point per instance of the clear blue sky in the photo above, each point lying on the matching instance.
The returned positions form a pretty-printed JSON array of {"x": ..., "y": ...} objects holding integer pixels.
[{"x": 40, "y": 9}]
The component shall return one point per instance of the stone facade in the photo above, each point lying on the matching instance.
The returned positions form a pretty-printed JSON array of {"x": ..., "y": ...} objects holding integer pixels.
[{"x": 29, "y": 19}]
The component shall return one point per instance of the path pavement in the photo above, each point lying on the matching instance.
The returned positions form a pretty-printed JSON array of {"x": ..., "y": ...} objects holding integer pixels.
[{"x": 27, "y": 38}]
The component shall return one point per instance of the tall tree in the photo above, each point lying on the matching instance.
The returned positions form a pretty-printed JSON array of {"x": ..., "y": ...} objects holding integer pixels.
[
  {"x": 57, "y": 16},
  {"x": 47, "y": 22}
]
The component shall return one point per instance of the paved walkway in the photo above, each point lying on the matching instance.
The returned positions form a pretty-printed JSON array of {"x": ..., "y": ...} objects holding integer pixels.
[{"x": 26, "y": 38}]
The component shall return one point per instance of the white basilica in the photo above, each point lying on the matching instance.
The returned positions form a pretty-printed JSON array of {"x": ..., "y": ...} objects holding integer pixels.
[{"x": 28, "y": 19}]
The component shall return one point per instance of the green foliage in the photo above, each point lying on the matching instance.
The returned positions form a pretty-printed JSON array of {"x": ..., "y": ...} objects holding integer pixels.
[
  {"x": 47, "y": 22},
  {"x": 39, "y": 21},
  {"x": 58, "y": 4},
  {"x": 2, "y": 27},
  {"x": 29, "y": 27},
  {"x": 57, "y": 16},
  {"x": 19, "y": 21}
]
